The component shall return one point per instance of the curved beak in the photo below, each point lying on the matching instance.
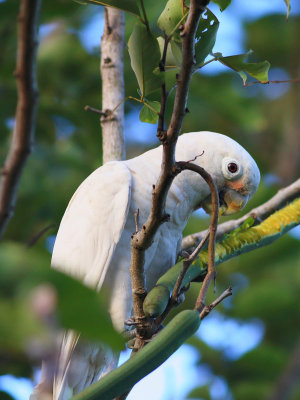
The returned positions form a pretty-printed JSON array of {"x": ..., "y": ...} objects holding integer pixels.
[{"x": 231, "y": 202}]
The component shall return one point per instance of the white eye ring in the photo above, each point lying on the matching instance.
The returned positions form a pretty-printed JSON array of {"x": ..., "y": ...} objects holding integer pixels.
[{"x": 231, "y": 168}]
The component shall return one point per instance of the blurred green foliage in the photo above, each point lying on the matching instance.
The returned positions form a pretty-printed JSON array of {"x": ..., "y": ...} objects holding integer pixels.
[
  {"x": 68, "y": 148},
  {"x": 35, "y": 300}
]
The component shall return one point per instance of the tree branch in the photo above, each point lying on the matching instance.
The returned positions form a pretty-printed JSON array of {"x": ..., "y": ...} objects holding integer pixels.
[
  {"x": 23, "y": 133},
  {"x": 185, "y": 266},
  {"x": 283, "y": 197},
  {"x": 211, "y": 270},
  {"x": 112, "y": 47},
  {"x": 142, "y": 239},
  {"x": 163, "y": 99},
  {"x": 235, "y": 244},
  {"x": 207, "y": 309}
]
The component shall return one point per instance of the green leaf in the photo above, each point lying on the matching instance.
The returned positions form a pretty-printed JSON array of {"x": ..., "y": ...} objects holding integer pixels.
[
  {"x": 125, "y": 5},
  {"x": 150, "y": 115},
  {"x": 171, "y": 61},
  {"x": 171, "y": 17},
  {"x": 18, "y": 326},
  {"x": 237, "y": 63},
  {"x": 176, "y": 51},
  {"x": 288, "y": 7},
  {"x": 84, "y": 310},
  {"x": 78, "y": 307},
  {"x": 206, "y": 36},
  {"x": 223, "y": 4},
  {"x": 201, "y": 392},
  {"x": 144, "y": 54},
  {"x": 171, "y": 78}
]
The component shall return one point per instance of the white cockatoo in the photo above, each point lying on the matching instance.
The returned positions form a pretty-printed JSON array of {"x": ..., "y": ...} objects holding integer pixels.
[{"x": 93, "y": 241}]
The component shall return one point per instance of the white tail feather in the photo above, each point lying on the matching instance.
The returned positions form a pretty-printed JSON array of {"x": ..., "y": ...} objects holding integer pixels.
[{"x": 80, "y": 364}]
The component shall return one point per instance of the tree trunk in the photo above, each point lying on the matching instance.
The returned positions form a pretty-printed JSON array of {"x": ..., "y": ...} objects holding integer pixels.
[{"x": 112, "y": 124}]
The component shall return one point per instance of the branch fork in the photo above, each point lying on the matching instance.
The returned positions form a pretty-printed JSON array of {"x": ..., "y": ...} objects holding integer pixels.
[{"x": 143, "y": 238}]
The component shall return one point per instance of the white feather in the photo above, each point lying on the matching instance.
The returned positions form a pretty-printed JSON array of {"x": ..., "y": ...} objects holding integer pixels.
[
  {"x": 93, "y": 241},
  {"x": 93, "y": 223}
]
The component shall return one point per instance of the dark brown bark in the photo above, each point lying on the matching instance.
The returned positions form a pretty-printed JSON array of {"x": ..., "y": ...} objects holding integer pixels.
[{"x": 23, "y": 133}]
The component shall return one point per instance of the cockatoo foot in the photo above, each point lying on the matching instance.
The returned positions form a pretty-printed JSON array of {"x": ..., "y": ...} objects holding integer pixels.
[{"x": 130, "y": 322}]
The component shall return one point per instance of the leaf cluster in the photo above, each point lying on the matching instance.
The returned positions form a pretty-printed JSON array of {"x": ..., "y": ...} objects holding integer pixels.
[{"x": 153, "y": 68}]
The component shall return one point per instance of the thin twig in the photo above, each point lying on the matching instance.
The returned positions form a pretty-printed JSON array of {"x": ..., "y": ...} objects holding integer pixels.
[
  {"x": 207, "y": 309},
  {"x": 195, "y": 158},
  {"x": 37, "y": 236},
  {"x": 136, "y": 218},
  {"x": 281, "y": 199},
  {"x": 179, "y": 24},
  {"x": 268, "y": 82},
  {"x": 197, "y": 250},
  {"x": 23, "y": 134},
  {"x": 163, "y": 100},
  {"x": 186, "y": 263},
  {"x": 146, "y": 22},
  {"x": 204, "y": 64},
  {"x": 211, "y": 269},
  {"x": 135, "y": 99},
  {"x": 96, "y": 111}
]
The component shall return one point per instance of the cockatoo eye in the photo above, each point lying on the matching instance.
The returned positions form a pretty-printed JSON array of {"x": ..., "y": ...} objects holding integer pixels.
[{"x": 232, "y": 167}]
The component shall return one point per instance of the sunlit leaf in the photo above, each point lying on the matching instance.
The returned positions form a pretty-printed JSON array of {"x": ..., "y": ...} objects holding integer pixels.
[
  {"x": 150, "y": 115},
  {"x": 144, "y": 54},
  {"x": 125, "y": 5},
  {"x": 223, "y": 4},
  {"x": 206, "y": 36},
  {"x": 237, "y": 63},
  {"x": 171, "y": 17}
]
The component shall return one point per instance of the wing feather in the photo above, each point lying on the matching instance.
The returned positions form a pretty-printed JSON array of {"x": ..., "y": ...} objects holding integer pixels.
[
  {"x": 86, "y": 240},
  {"x": 93, "y": 223}
]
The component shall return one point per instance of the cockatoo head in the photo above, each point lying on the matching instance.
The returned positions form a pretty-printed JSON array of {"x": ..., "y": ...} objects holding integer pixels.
[{"x": 230, "y": 165}]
